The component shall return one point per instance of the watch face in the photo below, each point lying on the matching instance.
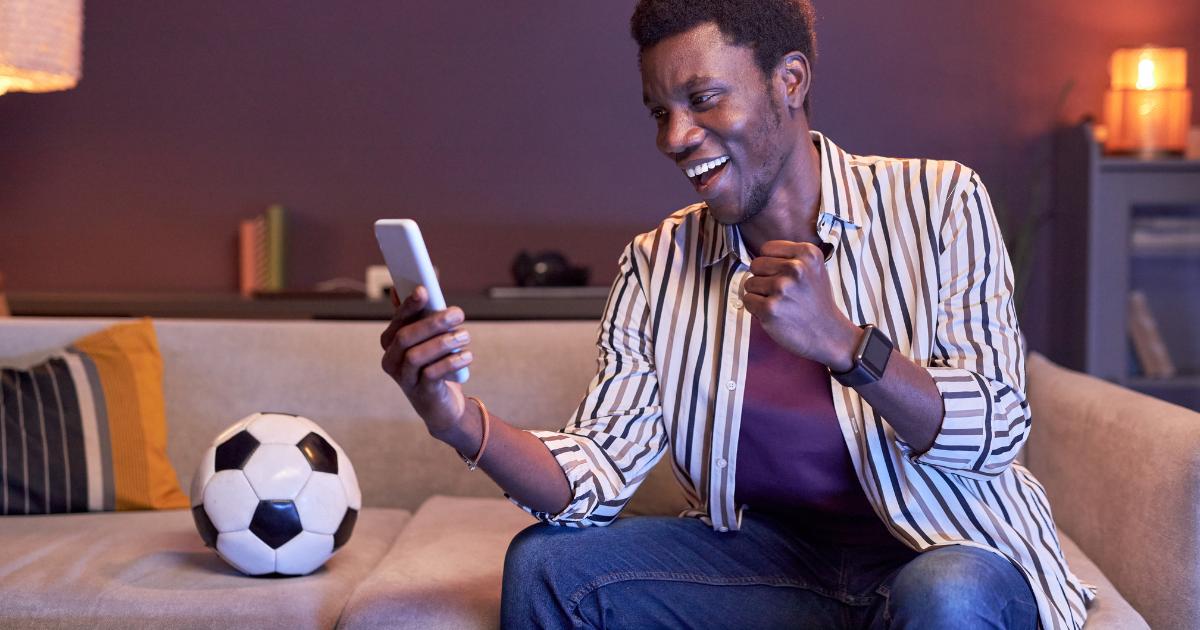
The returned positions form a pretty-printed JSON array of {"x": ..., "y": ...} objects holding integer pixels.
[{"x": 877, "y": 351}]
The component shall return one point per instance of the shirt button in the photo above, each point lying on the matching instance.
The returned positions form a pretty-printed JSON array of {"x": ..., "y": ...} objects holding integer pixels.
[
  {"x": 731, "y": 385},
  {"x": 721, "y": 462},
  {"x": 736, "y": 304},
  {"x": 723, "y": 529}
]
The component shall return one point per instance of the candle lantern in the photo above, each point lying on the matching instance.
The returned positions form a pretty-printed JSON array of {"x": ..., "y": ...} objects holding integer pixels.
[{"x": 1148, "y": 108}]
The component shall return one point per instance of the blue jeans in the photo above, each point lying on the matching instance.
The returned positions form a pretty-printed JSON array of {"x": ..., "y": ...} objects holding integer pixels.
[{"x": 667, "y": 572}]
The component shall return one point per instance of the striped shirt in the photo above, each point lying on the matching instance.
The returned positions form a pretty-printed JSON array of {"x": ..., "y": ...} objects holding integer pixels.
[{"x": 918, "y": 253}]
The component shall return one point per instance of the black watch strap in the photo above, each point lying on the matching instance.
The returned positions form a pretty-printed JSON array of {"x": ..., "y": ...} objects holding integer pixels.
[{"x": 870, "y": 358}]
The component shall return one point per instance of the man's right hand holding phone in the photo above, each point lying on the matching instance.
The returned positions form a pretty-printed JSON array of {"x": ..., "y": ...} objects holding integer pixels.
[
  {"x": 421, "y": 351},
  {"x": 420, "y": 354}
]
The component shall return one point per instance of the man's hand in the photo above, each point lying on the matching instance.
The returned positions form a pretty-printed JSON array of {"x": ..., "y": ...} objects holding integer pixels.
[
  {"x": 790, "y": 294},
  {"x": 418, "y": 355}
]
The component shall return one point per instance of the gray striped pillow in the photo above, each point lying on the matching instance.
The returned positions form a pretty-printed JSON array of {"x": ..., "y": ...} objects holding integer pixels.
[
  {"x": 85, "y": 430},
  {"x": 55, "y": 438}
]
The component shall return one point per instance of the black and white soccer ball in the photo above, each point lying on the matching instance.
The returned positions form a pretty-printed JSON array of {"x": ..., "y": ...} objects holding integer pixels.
[{"x": 274, "y": 494}]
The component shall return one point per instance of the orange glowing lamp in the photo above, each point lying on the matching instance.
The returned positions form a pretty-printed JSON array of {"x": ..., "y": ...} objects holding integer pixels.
[{"x": 1148, "y": 108}]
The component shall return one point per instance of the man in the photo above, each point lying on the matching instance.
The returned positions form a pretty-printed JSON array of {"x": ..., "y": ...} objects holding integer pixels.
[{"x": 828, "y": 347}]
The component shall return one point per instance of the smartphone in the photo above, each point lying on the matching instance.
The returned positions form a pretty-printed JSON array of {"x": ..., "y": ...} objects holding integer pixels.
[{"x": 408, "y": 261}]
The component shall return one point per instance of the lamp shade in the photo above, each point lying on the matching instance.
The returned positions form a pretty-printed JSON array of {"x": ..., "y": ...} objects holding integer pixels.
[
  {"x": 1149, "y": 68},
  {"x": 1148, "y": 108},
  {"x": 41, "y": 47}
]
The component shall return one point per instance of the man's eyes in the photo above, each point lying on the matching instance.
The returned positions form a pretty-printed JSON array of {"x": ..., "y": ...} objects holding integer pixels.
[{"x": 701, "y": 100}]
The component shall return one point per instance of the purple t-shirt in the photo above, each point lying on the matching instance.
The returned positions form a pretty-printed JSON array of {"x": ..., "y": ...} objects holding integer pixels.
[{"x": 792, "y": 461}]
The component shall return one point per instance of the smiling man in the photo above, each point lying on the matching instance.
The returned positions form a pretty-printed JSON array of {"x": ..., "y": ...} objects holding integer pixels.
[{"x": 826, "y": 349}]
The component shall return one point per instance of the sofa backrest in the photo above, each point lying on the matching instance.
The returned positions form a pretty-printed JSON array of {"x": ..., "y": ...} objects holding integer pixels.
[
  {"x": 1122, "y": 472},
  {"x": 217, "y": 371}
]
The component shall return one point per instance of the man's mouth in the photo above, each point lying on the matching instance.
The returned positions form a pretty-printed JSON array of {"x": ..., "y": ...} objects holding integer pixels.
[{"x": 703, "y": 173}]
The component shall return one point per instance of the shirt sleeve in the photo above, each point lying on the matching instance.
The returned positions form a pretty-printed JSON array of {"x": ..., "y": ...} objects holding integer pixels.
[
  {"x": 616, "y": 435},
  {"x": 978, "y": 359}
]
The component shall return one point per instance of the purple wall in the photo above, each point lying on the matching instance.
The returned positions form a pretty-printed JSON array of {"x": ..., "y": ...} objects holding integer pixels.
[{"x": 497, "y": 125}]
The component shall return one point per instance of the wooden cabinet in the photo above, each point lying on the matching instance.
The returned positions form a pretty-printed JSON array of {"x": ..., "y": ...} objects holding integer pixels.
[{"x": 1122, "y": 225}]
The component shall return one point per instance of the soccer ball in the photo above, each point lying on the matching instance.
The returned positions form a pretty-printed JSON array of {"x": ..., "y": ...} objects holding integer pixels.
[{"x": 274, "y": 494}]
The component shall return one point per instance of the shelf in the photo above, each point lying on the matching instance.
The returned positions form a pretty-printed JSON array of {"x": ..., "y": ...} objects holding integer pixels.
[
  {"x": 1185, "y": 252},
  {"x": 1157, "y": 165},
  {"x": 1181, "y": 390},
  {"x": 1143, "y": 383},
  {"x": 234, "y": 306}
]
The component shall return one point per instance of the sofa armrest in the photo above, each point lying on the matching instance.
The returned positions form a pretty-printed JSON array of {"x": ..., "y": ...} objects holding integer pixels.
[{"x": 1122, "y": 472}]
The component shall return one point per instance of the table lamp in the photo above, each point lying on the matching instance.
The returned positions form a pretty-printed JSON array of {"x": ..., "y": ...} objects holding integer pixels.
[
  {"x": 1148, "y": 108},
  {"x": 41, "y": 47}
]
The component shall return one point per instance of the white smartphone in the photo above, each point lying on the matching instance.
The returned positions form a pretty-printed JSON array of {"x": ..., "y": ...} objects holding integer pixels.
[{"x": 408, "y": 262}]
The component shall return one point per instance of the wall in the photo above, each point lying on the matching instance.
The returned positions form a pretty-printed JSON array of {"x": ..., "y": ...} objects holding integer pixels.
[{"x": 497, "y": 125}]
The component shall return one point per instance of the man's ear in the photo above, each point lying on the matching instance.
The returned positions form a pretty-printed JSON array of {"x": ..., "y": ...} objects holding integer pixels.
[{"x": 796, "y": 76}]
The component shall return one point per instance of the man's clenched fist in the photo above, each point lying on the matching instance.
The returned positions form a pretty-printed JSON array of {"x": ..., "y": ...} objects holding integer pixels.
[{"x": 789, "y": 292}]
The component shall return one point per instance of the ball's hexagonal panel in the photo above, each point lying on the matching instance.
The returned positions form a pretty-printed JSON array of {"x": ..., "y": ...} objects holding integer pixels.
[
  {"x": 234, "y": 428},
  {"x": 246, "y": 552},
  {"x": 322, "y": 503},
  {"x": 280, "y": 428},
  {"x": 276, "y": 522},
  {"x": 208, "y": 531},
  {"x": 230, "y": 501},
  {"x": 277, "y": 471},
  {"x": 349, "y": 481},
  {"x": 319, "y": 453},
  {"x": 303, "y": 554},
  {"x": 233, "y": 453},
  {"x": 342, "y": 535},
  {"x": 204, "y": 472}
]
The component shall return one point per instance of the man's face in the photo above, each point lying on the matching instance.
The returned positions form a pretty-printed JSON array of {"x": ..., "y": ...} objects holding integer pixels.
[{"x": 719, "y": 119}]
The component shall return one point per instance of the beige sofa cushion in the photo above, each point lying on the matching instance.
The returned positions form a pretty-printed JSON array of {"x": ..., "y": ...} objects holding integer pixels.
[
  {"x": 150, "y": 570},
  {"x": 446, "y": 570},
  {"x": 1110, "y": 609}
]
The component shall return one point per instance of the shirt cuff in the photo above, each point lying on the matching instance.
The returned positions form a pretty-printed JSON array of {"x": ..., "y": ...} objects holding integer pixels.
[
  {"x": 574, "y": 463},
  {"x": 960, "y": 440}
]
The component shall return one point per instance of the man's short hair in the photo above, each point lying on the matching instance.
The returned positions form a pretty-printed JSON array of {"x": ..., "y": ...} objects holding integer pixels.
[{"x": 772, "y": 28}]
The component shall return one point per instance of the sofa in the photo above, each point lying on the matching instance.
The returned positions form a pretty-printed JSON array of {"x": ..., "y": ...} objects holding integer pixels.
[{"x": 1122, "y": 472}]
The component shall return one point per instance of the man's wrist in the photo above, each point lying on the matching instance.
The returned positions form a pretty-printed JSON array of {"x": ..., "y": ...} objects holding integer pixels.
[
  {"x": 844, "y": 344},
  {"x": 467, "y": 434}
]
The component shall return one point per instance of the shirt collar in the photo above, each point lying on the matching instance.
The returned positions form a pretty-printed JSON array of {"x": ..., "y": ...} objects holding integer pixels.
[{"x": 838, "y": 201}]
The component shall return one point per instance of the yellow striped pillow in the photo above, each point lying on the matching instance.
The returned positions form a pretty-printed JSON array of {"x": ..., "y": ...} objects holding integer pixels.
[{"x": 85, "y": 430}]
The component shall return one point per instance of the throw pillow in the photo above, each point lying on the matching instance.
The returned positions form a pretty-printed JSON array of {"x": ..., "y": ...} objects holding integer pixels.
[{"x": 85, "y": 430}]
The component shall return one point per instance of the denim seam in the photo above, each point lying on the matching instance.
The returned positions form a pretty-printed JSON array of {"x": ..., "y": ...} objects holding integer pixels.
[
  {"x": 1020, "y": 602},
  {"x": 576, "y": 598}
]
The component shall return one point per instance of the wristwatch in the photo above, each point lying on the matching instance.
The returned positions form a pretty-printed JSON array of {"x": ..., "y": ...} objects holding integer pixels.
[{"x": 870, "y": 358}]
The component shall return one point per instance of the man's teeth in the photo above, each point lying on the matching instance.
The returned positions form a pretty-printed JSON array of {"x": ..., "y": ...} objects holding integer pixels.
[{"x": 707, "y": 166}]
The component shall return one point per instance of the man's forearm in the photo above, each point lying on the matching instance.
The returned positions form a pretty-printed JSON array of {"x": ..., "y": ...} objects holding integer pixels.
[
  {"x": 909, "y": 399},
  {"x": 516, "y": 460},
  {"x": 906, "y": 395}
]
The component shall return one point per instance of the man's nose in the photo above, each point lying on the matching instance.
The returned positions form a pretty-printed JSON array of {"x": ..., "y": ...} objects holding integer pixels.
[{"x": 679, "y": 135}]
